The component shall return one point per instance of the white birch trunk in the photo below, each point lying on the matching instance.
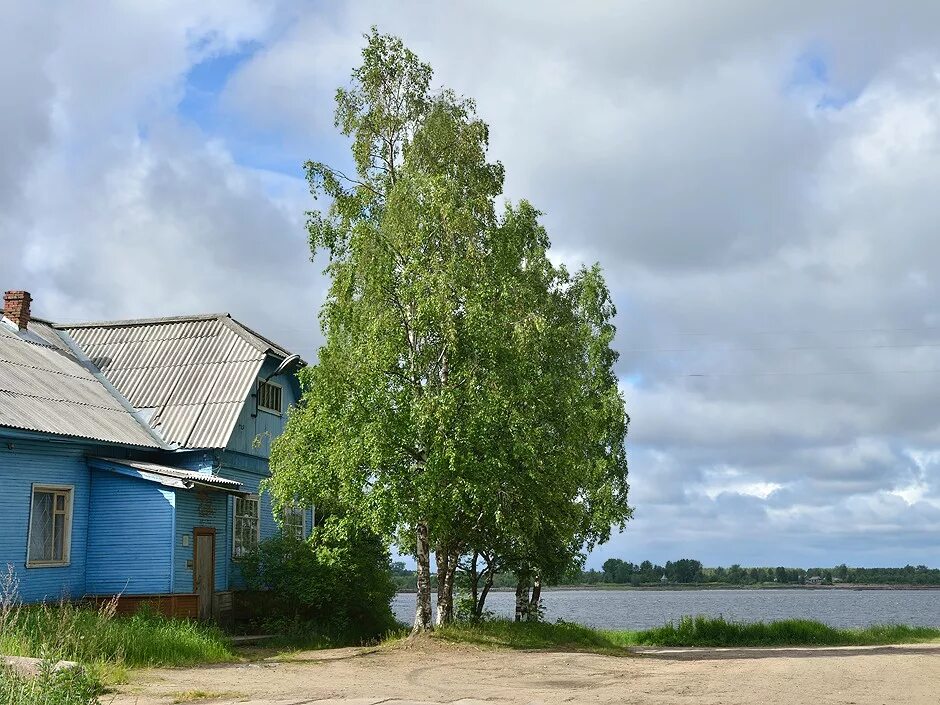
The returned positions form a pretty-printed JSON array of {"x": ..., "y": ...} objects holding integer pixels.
[
  {"x": 522, "y": 599},
  {"x": 423, "y": 603},
  {"x": 532, "y": 613},
  {"x": 444, "y": 594}
]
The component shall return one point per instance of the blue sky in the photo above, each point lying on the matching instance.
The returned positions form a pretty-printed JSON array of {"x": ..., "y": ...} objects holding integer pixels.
[{"x": 757, "y": 181}]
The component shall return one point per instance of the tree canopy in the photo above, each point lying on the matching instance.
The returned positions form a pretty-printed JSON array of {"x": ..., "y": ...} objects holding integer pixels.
[{"x": 465, "y": 397}]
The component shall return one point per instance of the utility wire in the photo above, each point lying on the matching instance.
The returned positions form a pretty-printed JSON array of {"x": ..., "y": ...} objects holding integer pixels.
[
  {"x": 786, "y": 349},
  {"x": 871, "y": 373}
]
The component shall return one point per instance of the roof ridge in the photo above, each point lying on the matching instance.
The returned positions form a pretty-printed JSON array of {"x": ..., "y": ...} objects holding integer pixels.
[
  {"x": 257, "y": 341},
  {"x": 141, "y": 321}
]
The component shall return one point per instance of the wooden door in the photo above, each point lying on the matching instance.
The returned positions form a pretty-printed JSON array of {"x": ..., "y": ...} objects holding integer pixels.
[{"x": 204, "y": 570}]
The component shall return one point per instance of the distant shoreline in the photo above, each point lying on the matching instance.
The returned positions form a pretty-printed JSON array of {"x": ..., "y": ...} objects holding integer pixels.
[{"x": 708, "y": 586}]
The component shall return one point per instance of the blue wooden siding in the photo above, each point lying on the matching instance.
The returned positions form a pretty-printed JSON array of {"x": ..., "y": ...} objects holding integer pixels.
[
  {"x": 25, "y": 462},
  {"x": 255, "y": 429},
  {"x": 134, "y": 541},
  {"x": 246, "y": 457},
  {"x": 194, "y": 509},
  {"x": 130, "y": 536}
]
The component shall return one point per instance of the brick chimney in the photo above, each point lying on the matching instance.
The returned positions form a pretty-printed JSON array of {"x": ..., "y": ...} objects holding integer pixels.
[{"x": 16, "y": 307}]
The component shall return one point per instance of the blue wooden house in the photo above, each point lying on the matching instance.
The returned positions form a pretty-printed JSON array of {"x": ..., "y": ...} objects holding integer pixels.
[{"x": 131, "y": 454}]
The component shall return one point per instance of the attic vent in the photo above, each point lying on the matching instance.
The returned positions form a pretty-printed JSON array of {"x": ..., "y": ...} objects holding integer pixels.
[{"x": 269, "y": 396}]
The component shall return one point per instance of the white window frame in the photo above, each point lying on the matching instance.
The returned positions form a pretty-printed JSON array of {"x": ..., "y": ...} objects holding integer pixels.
[
  {"x": 235, "y": 517},
  {"x": 280, "y": 394},
  {"x": 296, "y": 508},
  {"x": 69, "y": 492}
]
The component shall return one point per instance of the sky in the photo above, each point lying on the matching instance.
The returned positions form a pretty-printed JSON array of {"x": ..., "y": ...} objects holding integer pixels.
[{"x": 759, "y": 182}]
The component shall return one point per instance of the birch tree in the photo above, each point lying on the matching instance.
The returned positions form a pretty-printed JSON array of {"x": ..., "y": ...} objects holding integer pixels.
[
  {"x": 380, "y": 431},
  {"x": 454, "y": 404}
]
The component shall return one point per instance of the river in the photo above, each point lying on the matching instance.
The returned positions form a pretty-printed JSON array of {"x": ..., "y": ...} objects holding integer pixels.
[{"x": 641, "y": 609}]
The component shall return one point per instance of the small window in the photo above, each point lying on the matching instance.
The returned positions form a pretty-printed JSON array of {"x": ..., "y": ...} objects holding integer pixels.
[
  {"x": 295, "y": 521},
  {"x": 269, "y": 396},
  {"x": 246, "y": 528},
  {"x": 50, "y": 526}
]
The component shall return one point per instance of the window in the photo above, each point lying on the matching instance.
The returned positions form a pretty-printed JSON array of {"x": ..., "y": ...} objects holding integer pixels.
[
  {"x": 50, "y": 526},
  {"x": 295, "y": 521},
  {"x": 269, "y": 396},
  {"x": 245, "y": 526}
]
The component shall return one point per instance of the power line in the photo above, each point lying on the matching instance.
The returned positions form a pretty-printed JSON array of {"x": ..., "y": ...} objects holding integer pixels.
[
  {"x": 795, "y": 348},
  {"x": 798, "y": 331},
  {"x": 827, "y": 373}
]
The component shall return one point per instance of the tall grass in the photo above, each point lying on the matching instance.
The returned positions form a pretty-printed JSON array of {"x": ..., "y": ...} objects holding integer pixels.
[
  {"x": 689, "y": 631},
  {"x": 99, "y": 636},
  {"x": 88, "y": 635},
  {"x": 72, "y": 687}
]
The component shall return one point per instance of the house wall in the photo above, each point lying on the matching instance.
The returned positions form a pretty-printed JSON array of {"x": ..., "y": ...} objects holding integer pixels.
[
  {"x": 200, "y": 508},
  {"x": 256, "y": 428},
  {"x": 133, "y": 540},
  {"x": 24, "y": 462},
  {"x": 130, "y": 536},
  {"x": 246, "y": 457}
]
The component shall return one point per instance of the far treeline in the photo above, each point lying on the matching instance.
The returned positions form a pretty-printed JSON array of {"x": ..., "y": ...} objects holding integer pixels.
[{"x": 687, "y": 571}]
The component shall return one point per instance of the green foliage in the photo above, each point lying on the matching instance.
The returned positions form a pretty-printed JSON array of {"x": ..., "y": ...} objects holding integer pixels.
[
  {"x": 688, "y": 632},
  {"x": 336, "y": 585},
  {"x": 466, "y": 384},
  {"x": 89, "y": 636},
  {"x": 67, "y": 687}
]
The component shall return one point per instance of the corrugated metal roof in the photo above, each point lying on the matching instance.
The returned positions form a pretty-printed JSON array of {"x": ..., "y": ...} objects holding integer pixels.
[
  {"x": 44, "y": 387},
  {"x": 188, "y": 477},
  {"x": 194, "y": 372}
]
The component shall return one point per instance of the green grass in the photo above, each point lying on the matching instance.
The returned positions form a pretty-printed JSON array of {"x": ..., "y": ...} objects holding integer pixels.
[
  {"x": 689, "y": 631},
  {"x": 75, "y": 687},
  {"x": 532, "y": 635},
  {"x": 705, "y": 631},
  {"x": 108, "y": 643}
]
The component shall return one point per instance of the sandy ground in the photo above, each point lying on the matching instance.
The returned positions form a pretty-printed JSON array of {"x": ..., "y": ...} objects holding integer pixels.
[{"x": 432, "y": 672}]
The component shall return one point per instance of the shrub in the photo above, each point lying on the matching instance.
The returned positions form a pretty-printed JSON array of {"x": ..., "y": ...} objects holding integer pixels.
[{"x": 338, "y": 582}]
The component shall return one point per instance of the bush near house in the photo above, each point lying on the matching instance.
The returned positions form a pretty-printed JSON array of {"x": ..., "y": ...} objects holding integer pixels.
[{"x": 335, "y": 587}]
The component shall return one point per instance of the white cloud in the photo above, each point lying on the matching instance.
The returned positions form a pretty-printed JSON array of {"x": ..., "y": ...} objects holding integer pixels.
[
  {"x": 123, "y": 208},
  {"x": 758, "y": 180}
]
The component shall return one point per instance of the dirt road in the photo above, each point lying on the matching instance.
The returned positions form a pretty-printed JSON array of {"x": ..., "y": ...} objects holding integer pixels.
[{"x": 433, "y": 672}]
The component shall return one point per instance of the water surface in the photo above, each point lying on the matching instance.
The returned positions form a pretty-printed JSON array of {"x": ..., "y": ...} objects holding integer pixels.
[{"x": 641, "y": 609}]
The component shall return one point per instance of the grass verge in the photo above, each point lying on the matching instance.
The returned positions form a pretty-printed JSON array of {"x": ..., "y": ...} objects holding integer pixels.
[
  {"x": 706, "y": 631},
  {"x": 689, "y": 631},
  {"x": 106, "y": 643}
]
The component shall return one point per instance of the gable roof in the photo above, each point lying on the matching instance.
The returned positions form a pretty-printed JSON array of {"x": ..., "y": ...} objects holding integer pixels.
[
  {"x": 188, "y": 375},
  {"x": 46, "y": 387}
]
